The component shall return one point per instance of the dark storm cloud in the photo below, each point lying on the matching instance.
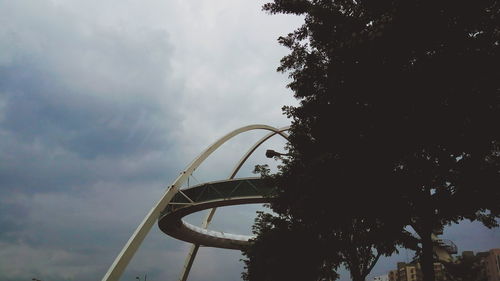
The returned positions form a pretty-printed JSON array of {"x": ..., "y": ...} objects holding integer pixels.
[
  {"x": 74, "y": 98},
  {"x": 87, "y": 120},
  {"x": 94, "y": 123},
  {"x": 84, "y": 122}
]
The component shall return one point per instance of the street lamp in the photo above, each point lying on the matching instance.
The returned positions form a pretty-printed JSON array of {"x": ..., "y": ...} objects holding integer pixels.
[{"x": 271, "y": 153}]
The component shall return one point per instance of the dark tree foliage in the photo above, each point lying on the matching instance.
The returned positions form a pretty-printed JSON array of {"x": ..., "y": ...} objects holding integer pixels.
[
  {"x": 399, "y": 118},
  {"x": 297, "y": 253},
  {"x": 285, "y": 249},
  {"x": 360, "y": 242},
  {"x": 466, "y": 269}
]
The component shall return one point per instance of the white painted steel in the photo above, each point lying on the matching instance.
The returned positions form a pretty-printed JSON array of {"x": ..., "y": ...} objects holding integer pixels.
[
  {"x": 217, "y": 234},
  {"x": 281, "y": 131},
  {"x": 194, "y": 247},
  {"x": 171, "y": 220},
  {"x": 441, "y": 252},
  {"x": 120, "y": 263}
]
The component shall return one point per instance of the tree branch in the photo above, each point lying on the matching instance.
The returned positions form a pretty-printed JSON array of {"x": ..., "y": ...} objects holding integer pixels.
[{"x": 368, "y": 270}]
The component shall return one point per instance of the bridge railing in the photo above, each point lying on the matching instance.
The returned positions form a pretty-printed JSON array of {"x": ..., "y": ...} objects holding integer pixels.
[{"x": 220, "y": 190}]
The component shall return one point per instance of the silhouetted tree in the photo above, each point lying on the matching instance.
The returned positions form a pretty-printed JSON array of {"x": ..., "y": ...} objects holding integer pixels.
[
  {"x": 288, "y": 250},
  {"x": 466, "y": 268},
  {"x": 360, "y": 242},
  {"x": 297, "y": 254},
  {"x": 399, "y": 116}
]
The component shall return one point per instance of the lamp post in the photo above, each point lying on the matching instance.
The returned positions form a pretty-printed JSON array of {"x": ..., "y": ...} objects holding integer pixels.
[
  {"x": 271, "y": 153},
  {"x": 121, "y": 261}
]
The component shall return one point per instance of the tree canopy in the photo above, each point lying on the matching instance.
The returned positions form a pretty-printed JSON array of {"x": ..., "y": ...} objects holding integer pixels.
[
  {"x": 398, "y": 123},
  {"x": 467, "y": 268}
]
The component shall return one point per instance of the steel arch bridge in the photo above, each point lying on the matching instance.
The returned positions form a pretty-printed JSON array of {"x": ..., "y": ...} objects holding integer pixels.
[{"x": 177, "y": 203}]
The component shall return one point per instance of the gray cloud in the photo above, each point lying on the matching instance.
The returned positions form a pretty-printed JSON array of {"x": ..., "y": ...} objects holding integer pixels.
[
  {"x": 76, "y": 96},
  {"x": 84, "y": 125},
  {"x": 101, "y": 105}
]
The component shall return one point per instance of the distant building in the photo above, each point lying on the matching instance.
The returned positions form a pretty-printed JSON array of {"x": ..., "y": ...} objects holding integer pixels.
[
  {"x": 413, "y": 272},
  {"x": 483, "y": 265},
  {"x": 439, "y": 271},
  {"x": 492, "y": 264},
  {"x": 381, "y": 278},
  {"x": 393, "y": 275},
  {"x": 409, "y": 272}
]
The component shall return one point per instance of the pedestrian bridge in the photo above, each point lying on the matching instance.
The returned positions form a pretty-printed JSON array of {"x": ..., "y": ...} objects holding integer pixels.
[
  {"x": 207, "y": 196},
  {"x": 176, "y": 203}
]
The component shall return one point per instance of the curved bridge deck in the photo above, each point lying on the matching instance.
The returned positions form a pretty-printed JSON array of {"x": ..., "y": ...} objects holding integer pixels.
[{"x": 210, "y": 195}]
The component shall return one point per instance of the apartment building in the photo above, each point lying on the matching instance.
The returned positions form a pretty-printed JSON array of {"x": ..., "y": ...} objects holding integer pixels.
[
  {"x": 413, "y": 272},
  {"x": 491, "y": 262},
  {"x": 393, "y": 275},
  {"x": 381, "y": 278},
  {"x": 488, "y": 264}
]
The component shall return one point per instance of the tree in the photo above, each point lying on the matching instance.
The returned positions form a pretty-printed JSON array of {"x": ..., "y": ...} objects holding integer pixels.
[
  {"x": 297, "y": 254},
  {"x": 399, "y": 115},
  {"x": 466, "y": 268},
  {"x": 288, "y": 250},
  {"x": 360, "y": 242}
]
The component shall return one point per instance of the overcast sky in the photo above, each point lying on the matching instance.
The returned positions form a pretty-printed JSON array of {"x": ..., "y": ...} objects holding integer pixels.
[{"x": 103, "y": 103}]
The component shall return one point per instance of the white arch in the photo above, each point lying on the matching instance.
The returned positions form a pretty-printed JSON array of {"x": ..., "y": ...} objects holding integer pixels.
[
  {"x": 194, "y": 247},
  {"x": 121, "y": 261}
]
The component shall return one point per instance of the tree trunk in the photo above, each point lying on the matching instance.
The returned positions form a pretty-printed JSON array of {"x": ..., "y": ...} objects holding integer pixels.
[
  {"x": 427, "y": 258},
  {"x": 357, "y": 277},
  {"x": 354, "y": 268}
]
